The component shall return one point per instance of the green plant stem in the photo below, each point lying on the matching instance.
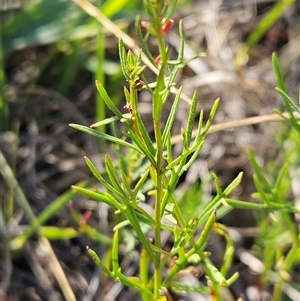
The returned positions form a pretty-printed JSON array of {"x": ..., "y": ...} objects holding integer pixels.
[{"x": 157, "y": 112}]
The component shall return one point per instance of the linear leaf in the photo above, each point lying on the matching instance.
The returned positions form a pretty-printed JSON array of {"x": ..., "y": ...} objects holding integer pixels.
[
  {"x": 101, "y": 135},
  {"x": 171, "y": 118},
  {"x": 259, "y": 172},
  {"x": 191, "y": 118},
  {"x": 111, "y": 171},
  {"x": 99, "y": 197},
  {"x": 108, "y": 100}
]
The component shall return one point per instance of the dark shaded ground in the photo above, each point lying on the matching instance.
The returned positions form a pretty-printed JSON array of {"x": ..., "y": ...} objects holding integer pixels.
[{"x": 50, "y": 154}]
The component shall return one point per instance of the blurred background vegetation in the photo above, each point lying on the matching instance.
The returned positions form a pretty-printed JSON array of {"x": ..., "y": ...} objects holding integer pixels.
[{"x": 52, "y": 52}]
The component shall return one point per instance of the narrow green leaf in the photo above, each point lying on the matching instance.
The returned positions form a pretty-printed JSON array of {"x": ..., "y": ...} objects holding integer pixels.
[
  {"x": 108, "y": 100},
  {"x": 181, "y": 159},
  {"x": 217, "y": 185},
  {"x": 191, "y": 117},
  {"x": 205, "y": 232},
  {"x": 217, "y": 201},
  {"x": 111, "y": 172},
  {"x": 98, "y": 261},
  {"x": 234, "y": 184},
  {"x": 278, "y": 73},
  {"x": 200, "y": 124},
  {"x": 182, "y": 42},
  {"x": 125, "y": 185},
  {"x": 281, "y": 177},
  {"x": 115, "y": 253},
  {"x": 212, "y": 115},
  {"x": 157, "y": 97},
  {"x": 168, "y": 9},
  {"x": 146, "y": 138},
  {"x": 131, "y": 215},
  {"x": 55, "y": 233},
  {"x": 186, "y": 233},
  {"x": 184, "y": 139},
  {"x": 232, "y": 279},
  {"x": 127, "y": 95},
  {"x": 98, "y": 176},
  {"x": 194, "y": 156},
  {"x": 138, "y": 71},
  {"x": 141, "y": 182},
  {"x": 99, "y": 197},
  {"x": 130, "y": 63},
  {"x": 95, "y": 172},
  {"x": 169, "y": 149},
  {"x": 245, "y": 205},
  {"x": 142, "y": 147},
  {"x": 289, "y": 103},
  {"x": 143, "y": 219},
  {"x": 122, "y": 56},
  {"x": 93, "y": 234},
  {"x": 183, "y": 258},
  {"x": 104, "y": 122},
  {"x": 260, "y": 190},
  {"x": 100, "y": 135},
  {"x": 171, "y": 118},
  {"x": 269, "y": 19},
  {"x": 260, "y": 174},
  {"x": 214, "y": 274},
  {"x": 179, "y": 287},
  {"x": 119, "y": 277}
]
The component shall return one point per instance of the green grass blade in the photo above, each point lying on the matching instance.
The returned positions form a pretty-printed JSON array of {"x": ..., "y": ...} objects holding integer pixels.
[
  {"x": 289, "y": 103},
  {"x": 278, "y": 73},
  {"x": 266, "y": 23}
]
